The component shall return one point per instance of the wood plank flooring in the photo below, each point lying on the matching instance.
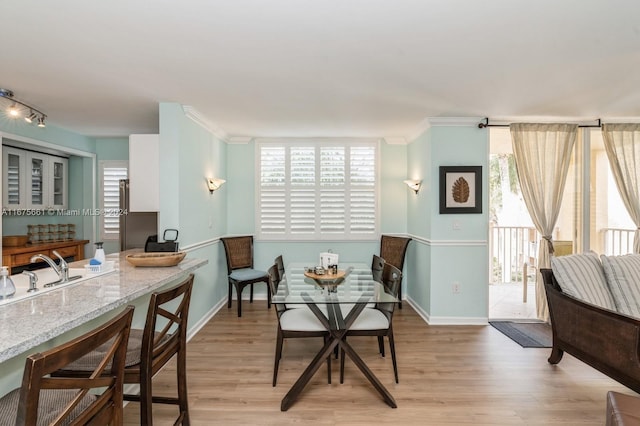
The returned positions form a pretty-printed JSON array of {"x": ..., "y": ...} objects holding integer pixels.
[{"x": 449, "y": 375}]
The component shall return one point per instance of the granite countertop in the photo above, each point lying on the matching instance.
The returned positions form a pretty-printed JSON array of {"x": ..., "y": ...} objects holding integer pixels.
[{"x": 35, "y": 320}]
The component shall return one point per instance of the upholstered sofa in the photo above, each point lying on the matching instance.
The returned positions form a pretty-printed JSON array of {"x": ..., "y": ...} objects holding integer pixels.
[{"x": 594, "y": 308}]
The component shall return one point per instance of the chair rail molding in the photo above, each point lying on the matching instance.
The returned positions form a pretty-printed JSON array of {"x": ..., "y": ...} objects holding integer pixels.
[
  {"x": 444, "y": 243},
  {"x": 200, "y": 244}
]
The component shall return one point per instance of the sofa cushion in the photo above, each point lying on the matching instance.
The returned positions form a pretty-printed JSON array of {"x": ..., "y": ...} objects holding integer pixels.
[
  {"x": 623, "y": 278},
  {"x": 581, "y": 276}
]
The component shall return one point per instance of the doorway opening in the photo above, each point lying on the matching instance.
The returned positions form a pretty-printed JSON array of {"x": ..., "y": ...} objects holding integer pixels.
[{"x": 592, "y": 217}]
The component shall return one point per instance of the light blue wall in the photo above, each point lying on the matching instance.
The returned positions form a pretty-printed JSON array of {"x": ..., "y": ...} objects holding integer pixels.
[
  {"x": 49, "y": 134},
  {"x": 240, "y": 187},
  {"x": 189, "y": 153},
  {"x": 112, "y": 148},
  {"x": 394, "y": 194},
  {"x": 440, "y": 255}
]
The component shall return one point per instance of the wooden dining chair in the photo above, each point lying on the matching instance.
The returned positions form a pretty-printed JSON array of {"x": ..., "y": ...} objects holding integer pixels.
[
  {"x": 377, "y": 321},
  {"x": 393, "y": 251},
  {"x": 279, "y": 262},
  {"x": 239, "y": 252},
  {"x": 377, "y": 266},
  {"x": 96, "y": 399},
  {"x": 149, "y": 350},
  {"x": 294, "y": 323}
]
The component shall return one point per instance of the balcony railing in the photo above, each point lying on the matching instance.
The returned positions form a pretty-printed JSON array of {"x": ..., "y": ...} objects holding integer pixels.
[
  {"x": 510, "y": 248},
  {"x": 616, "y": 241}
]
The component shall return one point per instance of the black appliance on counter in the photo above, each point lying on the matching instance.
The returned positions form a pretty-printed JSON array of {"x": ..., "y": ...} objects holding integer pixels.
[{"x": 170, "y": 243}]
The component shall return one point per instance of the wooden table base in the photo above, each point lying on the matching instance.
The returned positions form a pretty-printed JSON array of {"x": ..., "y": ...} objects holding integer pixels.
[{"x": 337, "y": 327}]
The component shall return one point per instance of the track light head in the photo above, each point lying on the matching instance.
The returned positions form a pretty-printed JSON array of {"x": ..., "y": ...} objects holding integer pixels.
[
  {"x": 32, "y": 116},
  {"x": 41, "y": 121}
]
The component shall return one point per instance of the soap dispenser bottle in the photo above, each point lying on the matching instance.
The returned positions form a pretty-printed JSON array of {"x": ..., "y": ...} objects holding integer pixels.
[
  {"x": 7, "y": 288},
  {"x": 99, "y": 255}
]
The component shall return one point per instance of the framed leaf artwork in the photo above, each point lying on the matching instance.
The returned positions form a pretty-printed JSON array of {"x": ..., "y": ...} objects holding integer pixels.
[{"x": 460, "y": 189}]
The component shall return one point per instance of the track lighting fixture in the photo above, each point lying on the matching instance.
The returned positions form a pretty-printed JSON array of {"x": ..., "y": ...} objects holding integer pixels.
[{"x": 18, "y": 108}]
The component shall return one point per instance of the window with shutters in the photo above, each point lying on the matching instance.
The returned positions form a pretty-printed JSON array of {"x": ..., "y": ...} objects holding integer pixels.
[
  {"x": 110, "y": 174},
  {"x": 317, "y": 190}
]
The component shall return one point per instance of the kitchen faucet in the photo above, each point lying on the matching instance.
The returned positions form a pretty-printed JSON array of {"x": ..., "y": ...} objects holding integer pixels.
[{"x": 62, "y": 270}]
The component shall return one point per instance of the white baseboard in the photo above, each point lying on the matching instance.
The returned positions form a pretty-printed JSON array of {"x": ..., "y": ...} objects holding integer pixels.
[{"x": 431, "y": 320}]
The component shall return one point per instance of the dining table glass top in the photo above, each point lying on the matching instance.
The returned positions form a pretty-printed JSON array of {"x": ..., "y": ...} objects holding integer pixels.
[{"x": 352, "y": 284}]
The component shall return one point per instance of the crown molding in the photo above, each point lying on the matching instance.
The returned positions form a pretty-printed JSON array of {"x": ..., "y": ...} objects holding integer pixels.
[
  {"x": 288, "y": 139},
  {"x": 195, "y": 115},
  {"x": 455, "y": 121},
  {"x": 239, "y": 140},
  {"x": 395, "y": 140},
  {"x": 429, "y": 122},
  {"x": 422, "y": 127}
]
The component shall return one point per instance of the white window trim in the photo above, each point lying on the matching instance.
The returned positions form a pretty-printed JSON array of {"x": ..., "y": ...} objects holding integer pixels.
[
  {"x": 322, "y": 142},
  {"x": 102, "y": 164}
]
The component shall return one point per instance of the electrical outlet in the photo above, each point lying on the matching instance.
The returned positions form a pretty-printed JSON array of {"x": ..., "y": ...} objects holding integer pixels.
[
  {"x": 456, "y": 225},
  {"x": 455, "y": 287}
]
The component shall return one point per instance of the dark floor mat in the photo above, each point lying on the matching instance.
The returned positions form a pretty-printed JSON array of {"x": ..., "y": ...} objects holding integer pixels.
[{"x": 526, "y": 334}]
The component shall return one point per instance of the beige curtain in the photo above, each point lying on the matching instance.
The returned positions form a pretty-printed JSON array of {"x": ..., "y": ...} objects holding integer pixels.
[
  {"x": 622, "y": 143},
  {"x": 542, "y": 153}
]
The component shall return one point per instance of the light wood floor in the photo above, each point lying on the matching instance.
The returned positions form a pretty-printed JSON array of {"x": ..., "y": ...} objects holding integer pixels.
[{"x": 449, "y": 375}]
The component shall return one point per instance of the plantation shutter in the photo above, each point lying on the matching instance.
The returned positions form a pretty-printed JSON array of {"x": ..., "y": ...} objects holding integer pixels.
[
  {"x": 316, "y": 190},
  {"x": 363, "y": 190},
  {"x": 110, "y": 216}
]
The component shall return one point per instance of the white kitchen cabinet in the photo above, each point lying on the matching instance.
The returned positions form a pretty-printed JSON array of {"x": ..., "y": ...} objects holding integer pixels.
[
  {"x": 37, "y": 176},
  {"x": 144, "y": 173},
  {"x": 14, "y": 193},
  {"x": 34, "y": 180},
  {"x": 58, "y": 182}
]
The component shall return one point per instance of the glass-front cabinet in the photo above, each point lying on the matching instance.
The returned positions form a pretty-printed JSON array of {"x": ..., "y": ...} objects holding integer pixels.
[
  {"x": 33, "y": 180},
  {"x": 37, "y": 170},
  {"x": 13, "y": 191},
  {"x": 58, "y": 182}
]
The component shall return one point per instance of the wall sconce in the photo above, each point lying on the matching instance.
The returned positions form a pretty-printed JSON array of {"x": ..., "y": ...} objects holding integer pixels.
[
  {"x": 414, "y": 184},
  {"x": 214, "y": 184}
]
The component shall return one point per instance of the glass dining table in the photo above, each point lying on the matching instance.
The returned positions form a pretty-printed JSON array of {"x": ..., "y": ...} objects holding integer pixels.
[{"x": 342, "y": 295}]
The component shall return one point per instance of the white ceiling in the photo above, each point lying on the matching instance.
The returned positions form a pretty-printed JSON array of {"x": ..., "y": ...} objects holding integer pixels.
[{"x": 320, "y": 68}]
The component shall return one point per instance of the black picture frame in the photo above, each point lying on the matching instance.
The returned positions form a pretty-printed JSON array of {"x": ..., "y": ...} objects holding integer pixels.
[{"x": 460, "y": 189}]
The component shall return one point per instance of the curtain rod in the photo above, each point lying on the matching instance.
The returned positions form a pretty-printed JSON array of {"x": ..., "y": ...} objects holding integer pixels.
[{"x": 486, "y": 124}]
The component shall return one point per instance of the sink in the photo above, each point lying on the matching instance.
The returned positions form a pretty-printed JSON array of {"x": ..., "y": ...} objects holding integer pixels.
[{"x": 47, "y": 281}]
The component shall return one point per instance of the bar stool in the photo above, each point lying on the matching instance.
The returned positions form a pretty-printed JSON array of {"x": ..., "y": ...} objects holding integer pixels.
[
  {"x": 149, "y": 350},
  {"x": 66, "y": 400}
]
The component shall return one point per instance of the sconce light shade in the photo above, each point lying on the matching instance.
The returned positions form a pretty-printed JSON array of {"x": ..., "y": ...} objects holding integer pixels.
[
  {"x": 414, "y": 184},
  {"x": 214, "y": 184}
]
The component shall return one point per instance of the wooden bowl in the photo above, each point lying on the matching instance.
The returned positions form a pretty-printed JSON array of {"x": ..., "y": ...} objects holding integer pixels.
[
  {"x": 15, "y": 240},
  {"x": 156, "y": 259}
]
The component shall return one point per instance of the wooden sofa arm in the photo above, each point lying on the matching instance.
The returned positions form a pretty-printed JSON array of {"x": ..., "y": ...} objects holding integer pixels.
[{"x": 604, "y": 339}]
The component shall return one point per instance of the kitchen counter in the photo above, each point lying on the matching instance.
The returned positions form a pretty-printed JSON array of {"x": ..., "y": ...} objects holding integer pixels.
[{"x": 38, "y": 319}]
